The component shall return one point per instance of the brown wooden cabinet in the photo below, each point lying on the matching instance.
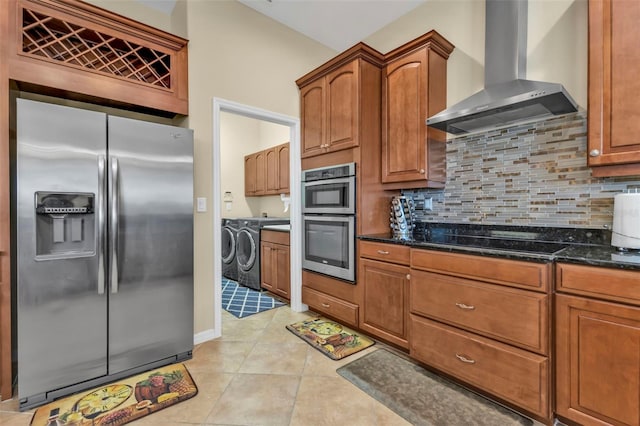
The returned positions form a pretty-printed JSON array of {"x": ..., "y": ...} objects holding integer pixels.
[
  {"x": 485, "y": 321},
  {"x": 613, "y": 105},
  {"x": 282, "y": 155},
  {"x": 71, "y": 49},
  {"x": 329, "y": 110},
  {"x": 335, "y": 102},
  {"x": 598, "y": 345},
  {"x": 267, "y": 172},
  {"x": 250, "y": 175},
  {"x": 414, "y": 88},
  {"x": 312, "y": 113},
  {"x": 275, "y": 270},
  {"x": 331, "y": 297},
  {"x": 385, "y": 300}
]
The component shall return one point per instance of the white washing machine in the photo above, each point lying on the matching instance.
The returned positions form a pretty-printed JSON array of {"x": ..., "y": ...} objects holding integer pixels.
[
  {"x": 229, "y": 238},
  {"x": 248, "y": 248}
]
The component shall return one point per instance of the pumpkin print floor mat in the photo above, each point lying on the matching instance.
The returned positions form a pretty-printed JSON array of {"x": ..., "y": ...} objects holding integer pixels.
[
  {"x": 332, "y": 339},
  {"x": 120, "y": 402}
]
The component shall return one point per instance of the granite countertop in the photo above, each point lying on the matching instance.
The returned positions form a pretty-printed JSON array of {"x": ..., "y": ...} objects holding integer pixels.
[{"x": 537, "y": 244}]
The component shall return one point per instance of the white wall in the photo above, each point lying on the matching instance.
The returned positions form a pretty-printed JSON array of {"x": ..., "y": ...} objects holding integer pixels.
[
  {"x": 240, "y": 136},
  {"x": 239, "y": 55}
]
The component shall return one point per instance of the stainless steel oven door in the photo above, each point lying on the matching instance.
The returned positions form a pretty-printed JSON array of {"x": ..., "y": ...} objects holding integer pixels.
[
  {"x": 329, "y": 245},
  {"x": 332, "y": 196}
]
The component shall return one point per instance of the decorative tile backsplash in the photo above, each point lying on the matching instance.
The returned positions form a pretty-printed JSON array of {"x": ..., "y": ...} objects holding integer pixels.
[{"x": 534, "y": 174}]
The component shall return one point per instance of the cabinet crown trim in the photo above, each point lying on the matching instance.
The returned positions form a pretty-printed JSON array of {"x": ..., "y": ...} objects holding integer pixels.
[
  {"x": 359, "y": 51},
  {"x": 432, "y": 39},
  {"x": 111, "y": 20}
]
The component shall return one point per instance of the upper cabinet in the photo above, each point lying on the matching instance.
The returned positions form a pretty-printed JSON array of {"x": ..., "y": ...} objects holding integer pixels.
[
  {"x": 331, "y": 101},
  {"x": 83, "y": 52},
  {"x": 414, "y": 87},
  {"x": 614, "y": 107},
  {"x": 266, "y": 172}
]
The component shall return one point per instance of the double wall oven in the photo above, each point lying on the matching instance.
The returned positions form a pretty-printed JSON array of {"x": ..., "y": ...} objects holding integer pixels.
[{"x": 329, "y": 207}]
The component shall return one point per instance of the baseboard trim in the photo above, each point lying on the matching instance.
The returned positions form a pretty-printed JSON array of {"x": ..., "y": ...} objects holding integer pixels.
[{"x": 204, "y": 336}]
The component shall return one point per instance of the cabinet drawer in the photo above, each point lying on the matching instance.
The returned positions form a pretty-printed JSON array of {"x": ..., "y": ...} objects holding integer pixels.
[
  {"x": 612, "y": 284},
  {"x": 514, "y": 316},
  {"x": 514, "y": 375},
  {"x": 515, "y": 273},
  {"x": 277, "y": 237},
  {"x": 334, "y": 307},
  {"x": 386, "y": 252}
]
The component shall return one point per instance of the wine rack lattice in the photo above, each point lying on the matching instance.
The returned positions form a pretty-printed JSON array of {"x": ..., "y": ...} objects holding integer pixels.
[{"x": 82, "y": 47}]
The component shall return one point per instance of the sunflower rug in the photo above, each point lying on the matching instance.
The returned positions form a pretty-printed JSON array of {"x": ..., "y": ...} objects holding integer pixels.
[
  {"x": 332, "y": 339},
  {"x": 120, "y": 402}
]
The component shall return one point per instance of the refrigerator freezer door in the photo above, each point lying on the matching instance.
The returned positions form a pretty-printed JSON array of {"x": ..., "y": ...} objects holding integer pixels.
[
  {"x": 151, "y": 282},
  {"x": 61, "y": 325}
]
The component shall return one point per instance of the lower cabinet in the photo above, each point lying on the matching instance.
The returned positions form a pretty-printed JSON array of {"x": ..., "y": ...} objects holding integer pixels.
[
  {"x": 512, "y": 374},
  {"x": 598, "y": 345},
  {"x": 487, "y": 326},
  {"x": 275, "y": 271},
  {"x": 385, "y": 301},
  {"x": 331, "y": 297}
]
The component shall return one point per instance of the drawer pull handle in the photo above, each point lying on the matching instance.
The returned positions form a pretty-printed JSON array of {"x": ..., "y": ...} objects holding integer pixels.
[
  {"x": 465, "y": 359},
  {"x": 326, "y": 305},
  {"x": 465, "y": 307},
  {"x": 383, "y": 252}
]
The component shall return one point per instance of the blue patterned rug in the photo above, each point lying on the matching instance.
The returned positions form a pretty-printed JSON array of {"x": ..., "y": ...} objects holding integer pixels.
[{"x": 243, "y": 301}]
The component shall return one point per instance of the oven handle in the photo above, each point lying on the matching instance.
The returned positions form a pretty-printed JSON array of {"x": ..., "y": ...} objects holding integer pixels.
[
  {"x": 329, "y": 218},
  {"x": 329, "y": 181}
]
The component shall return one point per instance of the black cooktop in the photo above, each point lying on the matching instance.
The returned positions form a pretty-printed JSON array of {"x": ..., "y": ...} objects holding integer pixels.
[
  {"x": 495, "y": 243},
  {"x": 537, "y": 240}
]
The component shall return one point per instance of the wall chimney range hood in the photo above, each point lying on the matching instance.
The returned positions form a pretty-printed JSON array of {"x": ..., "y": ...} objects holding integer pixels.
[{"x": 507, "y": 97}]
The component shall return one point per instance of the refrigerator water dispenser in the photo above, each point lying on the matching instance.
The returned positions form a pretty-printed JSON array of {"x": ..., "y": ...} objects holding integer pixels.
[{"x": 65, "y": 225}]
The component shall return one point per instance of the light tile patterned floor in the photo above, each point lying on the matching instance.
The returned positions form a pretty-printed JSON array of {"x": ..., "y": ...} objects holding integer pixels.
[{"x": 258, "y": 373}]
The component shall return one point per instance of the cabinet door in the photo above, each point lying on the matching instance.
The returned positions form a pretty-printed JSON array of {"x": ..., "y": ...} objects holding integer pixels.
[
  {"x": 614, "y": 107},
  {"x": 267, "y": 273},
  {"x": 385, "y": 308},
  {"x": 271, "y": 172},
  {"x": 249, "y": 175},
  {"x": 404, "y": 115},
  {"x": 261, "y": 173},
  {"x": 598, "y": 361},
  {"x": 282, "y": 270},
  {"x": 342, "y": 107},
  {"x": 282, "y": 152},
  {"x": 312, "y": 113}
]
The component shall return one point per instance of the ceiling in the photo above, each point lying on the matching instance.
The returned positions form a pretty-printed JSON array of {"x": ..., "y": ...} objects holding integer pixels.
[{"x": 338, "y": 24}]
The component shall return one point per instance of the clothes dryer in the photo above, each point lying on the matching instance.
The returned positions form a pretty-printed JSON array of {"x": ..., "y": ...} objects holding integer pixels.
[
  {"x": 248, "y": 249},
  {"x": 230, "y": 229}
]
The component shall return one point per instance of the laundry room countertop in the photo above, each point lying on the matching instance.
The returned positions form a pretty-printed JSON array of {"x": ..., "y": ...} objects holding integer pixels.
[{"x": 283, "y": 228}]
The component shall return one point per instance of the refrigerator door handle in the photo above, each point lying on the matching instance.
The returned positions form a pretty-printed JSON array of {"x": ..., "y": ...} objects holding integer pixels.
[
  {"x": 115, "y": 207},
  {"x": 101, "y": 224}
]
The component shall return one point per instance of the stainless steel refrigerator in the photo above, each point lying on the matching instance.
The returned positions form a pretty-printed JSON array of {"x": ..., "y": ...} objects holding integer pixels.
[{"x": 104, "y": 248}]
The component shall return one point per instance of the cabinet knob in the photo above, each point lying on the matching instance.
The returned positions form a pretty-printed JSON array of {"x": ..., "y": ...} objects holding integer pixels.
[
  {"x": 383, "y": 252},
  {"x": 326, "y": 305},
  {"x": 465, "y": 359},
  {"x": 594, "y": 153},
  {"x": 421, "y": 171},
  {"x": 409, "y": 276}
]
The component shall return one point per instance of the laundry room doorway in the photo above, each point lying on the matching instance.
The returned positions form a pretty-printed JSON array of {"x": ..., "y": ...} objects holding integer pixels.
[{"x": 229, "y": 199}]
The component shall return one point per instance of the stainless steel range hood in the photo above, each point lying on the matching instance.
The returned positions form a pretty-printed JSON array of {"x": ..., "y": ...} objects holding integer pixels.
[{"x": 507, "y": 98}]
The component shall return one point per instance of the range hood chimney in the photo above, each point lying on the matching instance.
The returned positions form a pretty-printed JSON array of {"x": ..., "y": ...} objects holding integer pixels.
[{"x": 507, "y": 97}]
